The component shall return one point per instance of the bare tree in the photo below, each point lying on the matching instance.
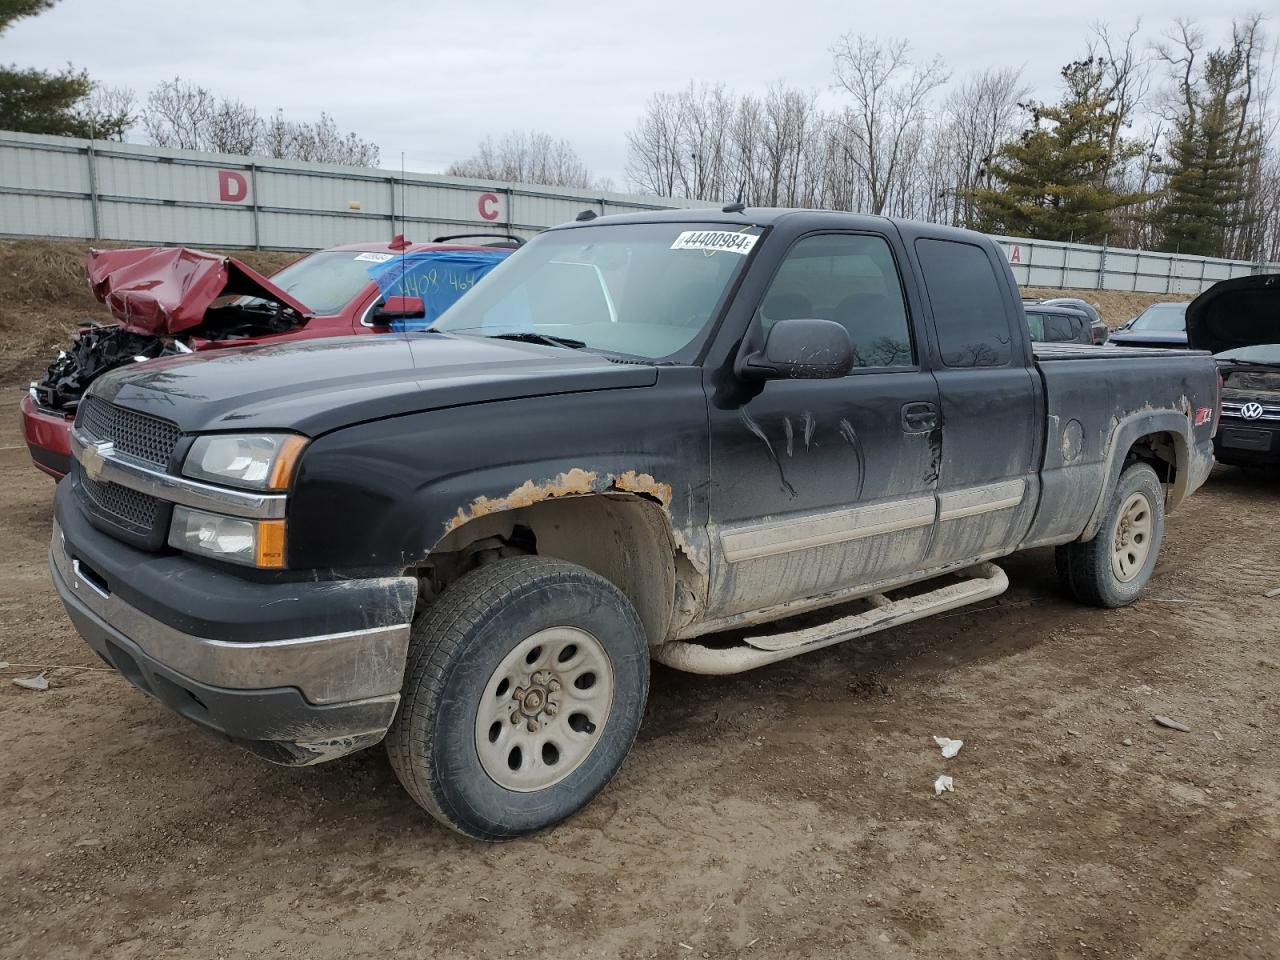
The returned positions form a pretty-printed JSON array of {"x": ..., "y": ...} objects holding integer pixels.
[
  {"x": 889, "y": 95},
  {"x": 653, "y": 154},
  {"x": 526, "y": 157},
  {"x": 322, "y": 142},
  {"x": 978, "y": 117},
  {"x": 234, "y": 127},
  {"x": 897, "y": 145},
  {"x": 1127, "y": 72},
  {"x": 703, "y": 142},
  {"x": 109, "y": 111},
  {"x": 177, "y": 114},
  {"x": 185, "y": 115}
]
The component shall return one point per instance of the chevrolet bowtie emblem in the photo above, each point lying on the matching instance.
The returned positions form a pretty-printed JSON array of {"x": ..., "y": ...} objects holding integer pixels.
[{"x": 94, "y": 455}]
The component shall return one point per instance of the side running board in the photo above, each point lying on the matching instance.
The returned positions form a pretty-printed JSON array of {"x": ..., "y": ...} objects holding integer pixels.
[{"x": 981, "y": 582}]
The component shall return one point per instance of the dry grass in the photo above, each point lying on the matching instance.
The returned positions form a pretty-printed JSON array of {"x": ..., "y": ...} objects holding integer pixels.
[
  {"x": 44, "y": 293},
  {"x": 1116, "y": 306}
]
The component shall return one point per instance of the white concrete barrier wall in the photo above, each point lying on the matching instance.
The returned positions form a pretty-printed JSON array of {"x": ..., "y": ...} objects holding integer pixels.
[
  {"x": 1042, "y": 263},
  {"x": 63, "y": 187}
]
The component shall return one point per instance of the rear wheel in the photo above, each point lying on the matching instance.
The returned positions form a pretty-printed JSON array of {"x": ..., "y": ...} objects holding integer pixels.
[
  {"x": 1112, "y": 569},
  {"x": 524, "y": 691}
]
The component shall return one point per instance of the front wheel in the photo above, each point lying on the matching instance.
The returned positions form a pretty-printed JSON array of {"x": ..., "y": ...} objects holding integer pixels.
[
  {"x": 1112, "y": 569},
  {"x": 524, "y": 690}
]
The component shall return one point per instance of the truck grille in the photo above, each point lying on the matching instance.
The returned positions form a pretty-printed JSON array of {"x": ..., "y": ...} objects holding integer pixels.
[
  {"x": 140, "y": 436},
  {"x": 146, "y": 439},
  {"x": 137, "y": 510},
  {"x": 1235, "y": 408}
]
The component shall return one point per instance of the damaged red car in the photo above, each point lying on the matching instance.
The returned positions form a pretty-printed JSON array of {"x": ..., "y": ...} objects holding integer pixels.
[{"x": 171, "y": 300}]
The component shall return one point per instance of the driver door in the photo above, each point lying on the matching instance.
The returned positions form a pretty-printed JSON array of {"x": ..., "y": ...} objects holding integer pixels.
[{"x": 824, "y": 485}]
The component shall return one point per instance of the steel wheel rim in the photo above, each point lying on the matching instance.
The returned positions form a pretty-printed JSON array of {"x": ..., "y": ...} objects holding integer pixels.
[
  {"x": 544, "y": 708},
  {"x": 1131, "y": 540}
]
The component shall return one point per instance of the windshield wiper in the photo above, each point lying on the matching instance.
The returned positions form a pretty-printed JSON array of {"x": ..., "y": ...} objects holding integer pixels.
[{"x": 544, "y": 338}]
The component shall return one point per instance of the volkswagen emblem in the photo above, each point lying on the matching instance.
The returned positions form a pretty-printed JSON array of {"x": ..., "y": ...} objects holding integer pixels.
[{"x": 1251, "y": 411}]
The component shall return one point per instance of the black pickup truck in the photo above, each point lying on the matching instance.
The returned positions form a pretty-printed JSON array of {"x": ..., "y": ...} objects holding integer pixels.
[{"x": 660, "y": 436}]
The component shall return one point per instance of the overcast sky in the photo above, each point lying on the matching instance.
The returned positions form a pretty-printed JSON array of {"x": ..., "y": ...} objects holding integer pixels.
[{"x": 431, "y": 79}]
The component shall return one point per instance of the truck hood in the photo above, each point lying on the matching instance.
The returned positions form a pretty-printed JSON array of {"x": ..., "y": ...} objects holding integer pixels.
[
  {"x": 314, "y": 386},
  {"x": 1241, "y": 312},
  {"x": 166, "y": 290}
]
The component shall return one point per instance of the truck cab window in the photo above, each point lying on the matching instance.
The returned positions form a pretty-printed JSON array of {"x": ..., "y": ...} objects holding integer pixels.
[
  {"x": 1059, "y": 328},
  {"x": 1035, "y": 323},
  {"x": 968, "y": 304},
  {"x": 851, "y": 279}
]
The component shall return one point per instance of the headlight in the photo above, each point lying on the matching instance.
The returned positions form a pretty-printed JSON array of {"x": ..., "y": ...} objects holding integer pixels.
[
  {"x": 258, "y": 461},
  {"x": 254, "y": 543}
]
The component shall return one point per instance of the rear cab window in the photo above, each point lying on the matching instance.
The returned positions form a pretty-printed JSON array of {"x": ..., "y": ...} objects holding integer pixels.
[
  {"x": 1035, "y": 323},
  {"x": 1060, "y": 328},
  {"x": 969, "y": 303}
]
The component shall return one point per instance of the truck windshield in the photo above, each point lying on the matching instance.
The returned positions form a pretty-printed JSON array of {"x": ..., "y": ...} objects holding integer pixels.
[
  {"x": 642, "y": 290},
  {"x": 1163, "y": 317}
]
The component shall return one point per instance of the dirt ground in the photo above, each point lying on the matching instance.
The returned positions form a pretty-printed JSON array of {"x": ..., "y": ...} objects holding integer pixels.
[{"x": 788, "y": 812}]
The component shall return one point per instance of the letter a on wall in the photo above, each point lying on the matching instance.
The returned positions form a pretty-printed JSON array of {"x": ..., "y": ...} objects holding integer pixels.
[{"x": 232, "y": 186}]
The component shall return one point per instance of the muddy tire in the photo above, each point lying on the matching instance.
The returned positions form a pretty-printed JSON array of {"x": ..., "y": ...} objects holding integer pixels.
[
  {"x": 1112, "y": 569},
  {"x": 524, "y": 690}
]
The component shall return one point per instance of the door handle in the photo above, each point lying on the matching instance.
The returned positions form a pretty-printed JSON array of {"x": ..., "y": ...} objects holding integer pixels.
[{"x": 919, "y": 417}]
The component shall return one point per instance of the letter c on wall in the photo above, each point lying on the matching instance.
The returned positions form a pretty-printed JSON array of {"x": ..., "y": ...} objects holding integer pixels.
[
  {"x": 488, "y": 206},
  {"x": 232, "y": 186}
]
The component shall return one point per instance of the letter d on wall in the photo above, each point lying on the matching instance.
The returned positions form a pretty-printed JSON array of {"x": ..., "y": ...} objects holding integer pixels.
[{"x": 232, "y": 186}]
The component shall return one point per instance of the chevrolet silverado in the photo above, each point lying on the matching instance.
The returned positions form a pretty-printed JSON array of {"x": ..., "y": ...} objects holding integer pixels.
[{"x": 659, "y": 436}]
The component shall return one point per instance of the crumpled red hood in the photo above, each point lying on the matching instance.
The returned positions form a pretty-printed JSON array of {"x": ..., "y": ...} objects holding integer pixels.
[{"x": 165, "y": 290}]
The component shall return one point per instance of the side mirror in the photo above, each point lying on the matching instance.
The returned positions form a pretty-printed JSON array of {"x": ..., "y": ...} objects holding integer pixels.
[
  {"x": 398, "y": 308},
  {"x": 800, "y": 349}
]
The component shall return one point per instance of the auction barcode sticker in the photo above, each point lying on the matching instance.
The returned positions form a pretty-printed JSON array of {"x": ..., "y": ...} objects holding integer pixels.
[{"x": 713, "y": 241}]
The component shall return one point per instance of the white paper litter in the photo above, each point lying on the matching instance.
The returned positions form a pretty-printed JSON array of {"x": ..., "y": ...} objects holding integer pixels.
[
  {"x": 943, "y": 784},
  {"x": 949, "y": 747},
  {"x": 38, "y": 682}
]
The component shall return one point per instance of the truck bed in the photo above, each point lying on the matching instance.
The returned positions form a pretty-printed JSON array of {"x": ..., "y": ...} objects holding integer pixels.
[
  {"x": 1094, "y": 410},
  {"x": 1085, "y": 351}
]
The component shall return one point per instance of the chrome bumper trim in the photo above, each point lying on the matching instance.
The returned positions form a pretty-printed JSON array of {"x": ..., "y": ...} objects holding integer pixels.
[
  {"x": 101, "y": 461},
  {"x": 327, "y": 668}
]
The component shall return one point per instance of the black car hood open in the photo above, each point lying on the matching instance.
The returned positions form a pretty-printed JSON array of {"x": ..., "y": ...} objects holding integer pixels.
[
  {"x": 1241, "y": 312},
  {"x": 313, "y": 386}
]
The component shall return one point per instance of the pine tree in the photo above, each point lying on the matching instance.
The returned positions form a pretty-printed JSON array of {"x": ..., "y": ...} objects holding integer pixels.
[
  {"x": 1056, "y": 182},
  {"x": 37, "y": 101},
  {"x": 1213, "y": 150}
]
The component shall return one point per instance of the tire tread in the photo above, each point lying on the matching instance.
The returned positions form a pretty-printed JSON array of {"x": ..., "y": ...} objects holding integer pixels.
[
  {"x": 1084, "y": 567},
  {"x": 436, "y": 640}
]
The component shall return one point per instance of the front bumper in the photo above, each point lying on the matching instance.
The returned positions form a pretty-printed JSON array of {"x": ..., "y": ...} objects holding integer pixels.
[
  {"x": 1247, "y": 442},
  {"x": 294, "y": 699},
  {"x": 48, "y": 437}
]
